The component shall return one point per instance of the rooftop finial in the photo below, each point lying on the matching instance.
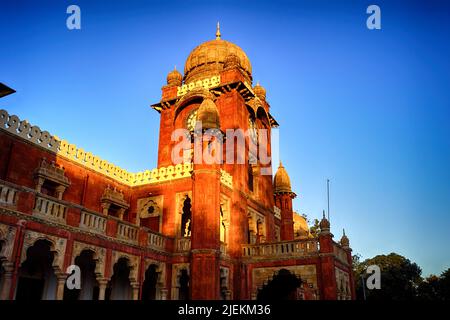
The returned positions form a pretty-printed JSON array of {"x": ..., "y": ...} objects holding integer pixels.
[
  {"x": 343, "y": 232},
  {"x": 218, "y": 31}
]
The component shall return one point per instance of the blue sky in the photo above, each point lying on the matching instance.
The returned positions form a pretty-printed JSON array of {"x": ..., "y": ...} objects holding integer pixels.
[{"x": 368, "y": 109}]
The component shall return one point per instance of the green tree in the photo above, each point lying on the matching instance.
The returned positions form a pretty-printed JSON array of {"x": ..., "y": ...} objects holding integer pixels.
[
  {"x": 429, "y": 288},
  {"x": 315, "y": 228},
  {"x": 444, "y": 285},
  {"x": 400, "y": 278}
]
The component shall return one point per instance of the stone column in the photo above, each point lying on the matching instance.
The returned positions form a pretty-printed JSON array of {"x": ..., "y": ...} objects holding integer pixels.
[
  {"x": 105, "y": 208},
  {"x": 60, "y": 191},
  {"x": 164, "y": 294},
  {"x": 7, "y": 280},
  {"x": 102, "y": 283},
  {"x": 61, "y": 282},
  {"x": 135, "y": 290}
]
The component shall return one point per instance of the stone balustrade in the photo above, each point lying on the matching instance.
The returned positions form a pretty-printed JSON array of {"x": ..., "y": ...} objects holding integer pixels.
[
  {"x": 183, "y": 244},
  {"x": 93, "y": 222},
  {"x": 49, "y": 209},
  {"x": 296, "y": 248},
  {"x": 155, "y": 240},
  {"x": 8, "y": 195},
  {"x": 127, "y": 231}
]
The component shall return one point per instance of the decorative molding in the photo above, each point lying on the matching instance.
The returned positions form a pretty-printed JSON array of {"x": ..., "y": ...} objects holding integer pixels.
[
  {"x": 263, "y": 275},
  {"x": 99, "y": 256},
  {"x": 7, "y": 236},
  {"x": 206, "y": 84},
  {"x": 133, "y": 263},
  {"x": 58, "y": 246}
]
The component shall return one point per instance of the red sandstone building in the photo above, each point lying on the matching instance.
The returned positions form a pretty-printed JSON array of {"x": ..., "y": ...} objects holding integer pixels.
[{"x": 185, "y": 231}]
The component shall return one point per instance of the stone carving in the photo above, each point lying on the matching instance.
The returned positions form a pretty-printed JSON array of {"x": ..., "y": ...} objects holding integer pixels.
[
  {"x": 58, "y": 247},
  {"x": 52, "y": 172},
  {"x": 277, "y": 212},
  {"x": 226, "y": 179},
  {"x": 7, "y": 236},
  {"x": 150, "y": 207},
  {"x": 343, "y": 285},
  {"x": 112, "y": 196},
  {"x": 99, "y": 256}
]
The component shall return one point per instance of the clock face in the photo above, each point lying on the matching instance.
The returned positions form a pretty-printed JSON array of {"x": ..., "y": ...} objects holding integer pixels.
[
  {"x": 253, "y": 130},
  {"x": 190, "y": 122}
]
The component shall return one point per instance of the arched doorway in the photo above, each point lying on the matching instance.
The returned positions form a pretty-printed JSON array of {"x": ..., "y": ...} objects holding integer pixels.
[
  {"x": 283, "y": 286},
  {"x": 37, "y": 279},
  {"x": 183, "y": 290},
  {"x": 149, "y": 287},
  {"x": 89, "y": 288},
  {"x": 120, "y": 286}
]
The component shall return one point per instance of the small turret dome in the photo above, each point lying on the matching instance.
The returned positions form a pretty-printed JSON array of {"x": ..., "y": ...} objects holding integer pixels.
[
  {"x": 324, "y": 223},
  {"x": 282, "y": 183},
  {"x": 208, "y": 114},
  {"x": 345, "y": 242},
  {"x": 260, "y": 91},
  {"x": 174, "y": 78}
]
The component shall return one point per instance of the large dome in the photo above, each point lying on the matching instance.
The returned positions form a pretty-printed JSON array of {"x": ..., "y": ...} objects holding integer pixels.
[{"x": 207, "y": 59}]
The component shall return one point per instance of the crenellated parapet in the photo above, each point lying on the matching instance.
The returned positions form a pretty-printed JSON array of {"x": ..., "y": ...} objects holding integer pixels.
[
  {"x": 23, "y": 129},
  {"x": 206, "y": 84}
]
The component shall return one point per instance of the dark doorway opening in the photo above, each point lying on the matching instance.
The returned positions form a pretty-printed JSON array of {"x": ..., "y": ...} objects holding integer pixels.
[
  {"x": 150, "y": 283},
  {"x": 283, "y": 286},
  {"x": 37, "y": 279}
]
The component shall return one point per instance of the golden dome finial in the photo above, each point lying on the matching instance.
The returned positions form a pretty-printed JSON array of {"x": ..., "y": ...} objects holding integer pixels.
[{"x": 218, "y": 31}]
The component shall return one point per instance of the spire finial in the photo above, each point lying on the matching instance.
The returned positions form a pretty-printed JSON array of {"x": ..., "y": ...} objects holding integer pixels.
[
  {"x": 343, "y": 232},
  {"x": 218, "y": 31},
  {"x": 324, "y": 214},
  {"x": 175, "y": 67},
  {"x": 281, "y": 164}
]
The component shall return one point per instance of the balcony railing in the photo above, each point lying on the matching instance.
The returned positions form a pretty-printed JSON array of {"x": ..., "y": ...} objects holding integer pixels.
[
  {"x": 183, "y": 244},
  {"x": 128, "y": 232},
  {"x": 8, "y": 195},
  {"x": 295, "y": 248},
  {"x": 156, "y": 240},
  {"x": 93, "y": 222},
  {"x": 50, "y": 209}
]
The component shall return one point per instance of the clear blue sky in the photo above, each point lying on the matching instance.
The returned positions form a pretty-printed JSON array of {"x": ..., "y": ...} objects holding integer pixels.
[{"x": 368, "y": 109}]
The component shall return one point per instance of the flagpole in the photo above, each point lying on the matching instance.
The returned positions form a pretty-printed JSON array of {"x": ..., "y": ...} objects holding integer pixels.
[{"x": 328, "y": 197}]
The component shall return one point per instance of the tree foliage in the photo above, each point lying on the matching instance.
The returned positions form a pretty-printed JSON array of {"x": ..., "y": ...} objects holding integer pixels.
[{"x": 400, "y": 280}]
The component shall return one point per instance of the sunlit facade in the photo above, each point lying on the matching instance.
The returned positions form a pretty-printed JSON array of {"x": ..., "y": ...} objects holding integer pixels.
[{"x": 180, "y": 231}]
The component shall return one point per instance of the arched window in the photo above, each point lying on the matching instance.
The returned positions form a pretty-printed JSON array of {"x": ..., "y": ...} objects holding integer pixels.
[{"x": 186, "y": 218}]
